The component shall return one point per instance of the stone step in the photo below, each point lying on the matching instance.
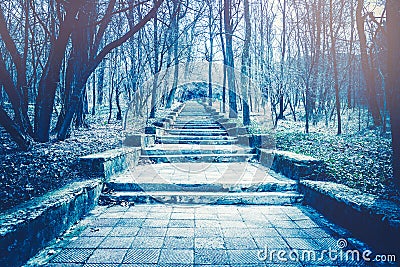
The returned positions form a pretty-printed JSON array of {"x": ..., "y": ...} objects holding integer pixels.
[
  {"x": 248, "y": 198},
  {"x": 182, "y": 138},
  {"x": 196, "y": 120},
  {"x": 188, "y": 149},
  {"x": 198, "y": 132},
  {"x": 197, "y": 141},
  {"x": 124, "y": 186},
  {"x": 193, "y": 126},
  {"x": 194, "y": 114},
  {"x": 200, "y": 123},
  {"x": 211, "y": 158}
]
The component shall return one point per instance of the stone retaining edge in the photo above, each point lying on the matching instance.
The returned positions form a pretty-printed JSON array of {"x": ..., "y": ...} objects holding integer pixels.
[
  {"x": 30, "y": 227},
  {"x": 292, "y": 165},
  {"x": 110, "y": 162},
  {"x": 368, "y": 217}
]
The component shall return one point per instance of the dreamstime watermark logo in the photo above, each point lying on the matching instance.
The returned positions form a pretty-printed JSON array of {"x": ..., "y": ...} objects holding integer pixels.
[{"x": 337, "y": 254}]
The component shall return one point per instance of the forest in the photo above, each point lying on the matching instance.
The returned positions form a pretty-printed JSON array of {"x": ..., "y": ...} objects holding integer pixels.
[{"x": 321, "y": 63}]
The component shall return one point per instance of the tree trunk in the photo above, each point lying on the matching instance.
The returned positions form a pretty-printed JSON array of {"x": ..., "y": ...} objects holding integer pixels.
[
  {"x": 246, "y": 65},
  {"x": 117, "y": 102},
  {"x": 283, "y": 55},
  {"x": 335, "y": 70},
  {"x": 100, "y": 83},
  {"x": 50, "y": 77},
  {"x": 229, "y": 59},
  {"x": 175, "y": 33},
  {"x": 94, "y": 93},
  {"x": 224, "y": 61},
  {"x": 153, "y": 108},
  {"x": 211, "y": 57},
  {"x": 22, "y": 140},
  {"x": 368, "y": 75}
]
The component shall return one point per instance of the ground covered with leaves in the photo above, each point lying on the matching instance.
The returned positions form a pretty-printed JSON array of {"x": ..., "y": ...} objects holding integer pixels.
[
  {"x": 50, "y": 166},
  {"x": 359, "y": 160}
]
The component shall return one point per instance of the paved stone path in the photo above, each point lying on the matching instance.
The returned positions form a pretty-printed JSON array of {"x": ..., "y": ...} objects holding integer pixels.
[
  {"x": 198, "y": 163},
  {"x": 178, "y": 235}
]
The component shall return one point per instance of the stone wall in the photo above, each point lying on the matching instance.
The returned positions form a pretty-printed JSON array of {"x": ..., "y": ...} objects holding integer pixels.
[
  {"x": 292, "y": 165},
  {"x": 370, "y": 218},
  {"x": 28, "y": 228},
  {"x": 109, "y": 163}
]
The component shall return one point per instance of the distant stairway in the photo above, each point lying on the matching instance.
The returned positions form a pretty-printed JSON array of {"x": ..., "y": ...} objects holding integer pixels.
[
  {"x": 196, "y": 137},
  {"x": 197, "y": 162}
]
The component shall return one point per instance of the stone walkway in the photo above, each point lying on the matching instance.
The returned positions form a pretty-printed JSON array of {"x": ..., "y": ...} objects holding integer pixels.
[
  {"x": 218, "y": 235},
  {"x": 200, "y": 164}
]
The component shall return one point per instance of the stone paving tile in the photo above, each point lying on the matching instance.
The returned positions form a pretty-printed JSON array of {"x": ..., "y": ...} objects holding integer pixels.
[
  {"x": 293, "y": 232},
  {"x": 63, "y": 265},
  {"x": 301, "y": 243},
  {"x": 139, "y": 256},
  {"x": 117, "y": 242},
  {"x": 107, "y": 256},
  {"x": 232, "y": 224},
  {"x": 155, "y": 223},
  {"x": 208, "y": 232},
  {"x": 243, "y": 257},
  {"x": 152, "y": 231},
  {"x": 72, "y": 256},
  {"x": 179, "y": 256},
  {"x": 241, "y": 243},
  {"x": 284, "y": 224},
  {"x": 210, "y": 257},
  {"x": 307, "y": 223},
  {"x": 124, "y": 231},
  {"x": 263, "y": 232},
  {"x": 181, "y": 223},
  {"x": 177, "y": 242},
  {"x": 148, "y": 242},
  {"x": 271, "y": 242},
  {"x": 182, "y": 232},
  {"x": 130, "y": 222},
  {"x": 96, "y": 231},
  {"x": 101, "y": 265},
  {"x": 104, "y": 222},
  {"x": 206, "y": 223},
  {"x": 85, "y": 242},
  {"x": 209, "y": 243},
  {"x": 317, "y": 232}
]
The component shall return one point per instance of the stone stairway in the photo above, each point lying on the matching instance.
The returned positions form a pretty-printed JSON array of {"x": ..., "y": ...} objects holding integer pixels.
[
  {"x": 196, "y": 136},
  {"x": 197, "y": 162}
]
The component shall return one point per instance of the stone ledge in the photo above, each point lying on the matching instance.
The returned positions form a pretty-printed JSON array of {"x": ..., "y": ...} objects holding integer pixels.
[
  {"x": 257, "y": 141},
  {"x": 28, "y": 228},
  {"x": 109, "y": 163},
  {"x": 139, "y": 140},
  {"x": 292, "y": 165},
  {"x": 375, "y": 220}
]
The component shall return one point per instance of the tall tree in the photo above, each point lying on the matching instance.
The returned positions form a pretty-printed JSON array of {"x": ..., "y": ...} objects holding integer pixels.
[
  {"x": 335, "y": 68},
  {"x": 368, "y": 73},
  {"x": 246, "y": 64},
  {"x": 177, "y": 15},
  {"x": 229, "y": 58},
  {"x": 94, "y": 58}
]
